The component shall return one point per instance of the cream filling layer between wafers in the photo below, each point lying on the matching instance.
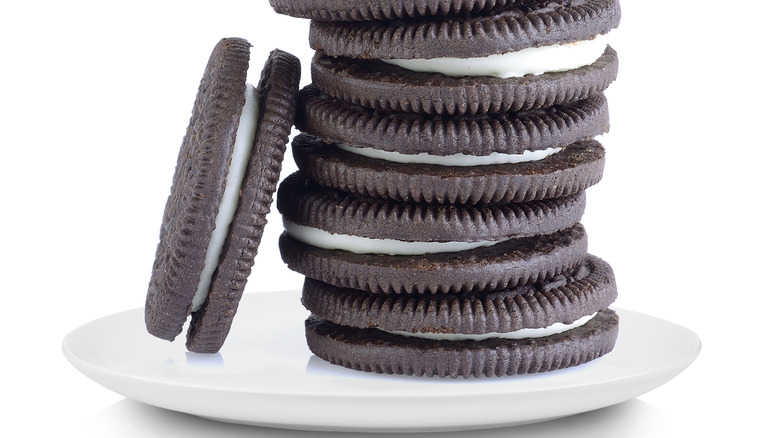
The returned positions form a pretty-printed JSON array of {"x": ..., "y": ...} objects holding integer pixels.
[
  {"x": 530, "y": 61},
  {"x": 242, "y": 149},
  {"x": 526, "y": 333},
  {"x": 366, "y": 245},
  {"x": 454, "y": 160}
]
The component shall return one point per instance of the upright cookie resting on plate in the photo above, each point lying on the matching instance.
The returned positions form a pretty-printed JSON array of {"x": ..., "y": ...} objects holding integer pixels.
[{"x": 227, "y": 170}]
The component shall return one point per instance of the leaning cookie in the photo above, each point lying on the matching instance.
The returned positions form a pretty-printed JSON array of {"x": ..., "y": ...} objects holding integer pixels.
[{"x": 226, "y": 174}]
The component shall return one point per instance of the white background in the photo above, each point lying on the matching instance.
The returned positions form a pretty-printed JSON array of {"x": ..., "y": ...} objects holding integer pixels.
[{"x": 95, "y": 98}]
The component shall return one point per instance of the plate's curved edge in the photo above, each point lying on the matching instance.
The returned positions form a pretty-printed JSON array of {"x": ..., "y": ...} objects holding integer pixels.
[{"x": 622, "y": 391}]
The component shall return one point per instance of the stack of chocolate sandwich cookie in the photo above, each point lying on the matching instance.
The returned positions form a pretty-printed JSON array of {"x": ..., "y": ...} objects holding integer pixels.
[{"x": 445, "y": 150}]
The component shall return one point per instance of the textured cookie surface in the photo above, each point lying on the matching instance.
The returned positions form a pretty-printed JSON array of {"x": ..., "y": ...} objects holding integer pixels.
[
  {"x": 575, "y": 168},
  {"x": 364, "y": 10},
  {"x": 529, "y": 24},
  {"x": 200, "y": 178},
  {"x": 308, "y": 204},
  {"x": 503, "y": 265},
  {"x": 198, "y": 184},
  {"x": 381, "y": 352},
  {"x": 278, "y": 89},
  {"x": 511, "y": 133},
  {"x": 386, "y": 87},
  {"x": 582, "y": 291}
]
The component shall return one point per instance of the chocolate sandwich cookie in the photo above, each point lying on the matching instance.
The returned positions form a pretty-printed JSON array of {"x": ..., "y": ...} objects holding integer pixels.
[
  {"x": 528, "y": 24},
  {"x": 382, "y": 352},
  {"x": 226, "y": 174},
  {"x": 390, "y": 247},
  {"x": 362, "y": 10},
  {"x": 376, "y": 84},
  {"x": 508, "y": 133},
  {"x": 566, "y": 298},
  {"x": 570, "y": 170}
]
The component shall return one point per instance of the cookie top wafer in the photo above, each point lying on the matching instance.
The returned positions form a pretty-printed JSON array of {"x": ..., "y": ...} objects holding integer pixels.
[
  {"x": 573, "y": 169},
  {"x": 363, "y": 10},
  {"x": 582, "y": 291},
  {"x": 201, "y": 182},
  {"x": 528, "y": 24},
  {"x": 511, "y": 133},
  {"x": 386, "y": 87}
]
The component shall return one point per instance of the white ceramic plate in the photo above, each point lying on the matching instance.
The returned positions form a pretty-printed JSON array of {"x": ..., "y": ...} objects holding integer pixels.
[{"x": 265, "y": 375}]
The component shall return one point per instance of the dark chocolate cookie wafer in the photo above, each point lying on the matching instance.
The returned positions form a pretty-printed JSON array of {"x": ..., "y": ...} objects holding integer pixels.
[
  {"x": 573, "y": 169},
  {"x": 583, "y": 291},
  {"x": 529, "y": 24},
  {"x": 376, "y": 84},
  {"x": 308, "y": 204},
  {"x": 363, "y": 10},
  {"x": 510, "y": 133},
  {"x": 386, "y": 353},
  {"x": 199, "y": 186},
  {"x": 503, "y": 265}
]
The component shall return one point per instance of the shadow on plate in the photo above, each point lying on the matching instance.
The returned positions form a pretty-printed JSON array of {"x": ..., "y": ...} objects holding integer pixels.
[{"x": 128, "y": 418}]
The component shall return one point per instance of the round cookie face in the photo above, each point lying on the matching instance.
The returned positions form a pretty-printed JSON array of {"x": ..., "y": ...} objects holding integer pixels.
[
  {"x": 510, "y": 133},
  {"x": 499, "y": 266},
  {"x": 573, "y": 169},
  {"x": 376, "y": 84},
  {"x": 385, "y": 353},
  {"x": 528, "y": 24},
  {"x": 366, "y": 10},
  {"x": 198, "y": 186},
  {"x": 566, "y": 298}
]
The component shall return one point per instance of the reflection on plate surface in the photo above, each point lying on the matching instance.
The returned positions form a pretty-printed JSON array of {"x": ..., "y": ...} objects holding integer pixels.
[{"x": 265, "y": 375}]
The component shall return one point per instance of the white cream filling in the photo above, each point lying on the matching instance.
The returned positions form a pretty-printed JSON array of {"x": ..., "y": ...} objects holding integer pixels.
[
  {"x": 533, "y": 60},
  {"x": 365, "y": 245},
  {"x": 526, "y": 333},
  {"x": 242, "y": 149},
  {"x": 454, "y": 160}
]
